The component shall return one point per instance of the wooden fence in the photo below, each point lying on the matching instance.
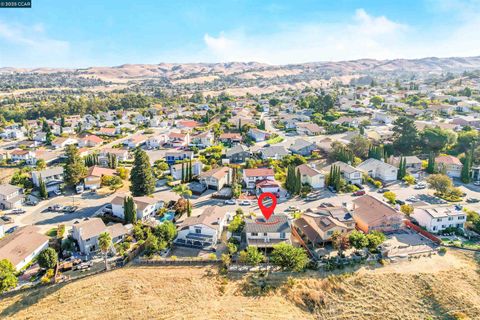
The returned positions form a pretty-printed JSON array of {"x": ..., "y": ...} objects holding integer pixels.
[{"x": 425, "y": 233}]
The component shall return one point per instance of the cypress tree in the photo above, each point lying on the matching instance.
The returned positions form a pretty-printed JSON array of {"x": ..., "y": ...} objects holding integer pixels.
[
  {"x": 141, "y": 175},
  {"x": 43, "y": 189},
  {"x": 298, "y": 182},
  {"x": 431, "y": 163},
  {"x": 183, "y": 172},
  {"x": 190, "y": 170},
  {"x": 75, "y": 169},
  {"x": 467, "y": 167},
  {"x": 130, "y": 213}
]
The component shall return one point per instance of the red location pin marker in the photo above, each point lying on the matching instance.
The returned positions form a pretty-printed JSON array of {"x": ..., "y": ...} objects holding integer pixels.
[{"x": 267, "y": 211}]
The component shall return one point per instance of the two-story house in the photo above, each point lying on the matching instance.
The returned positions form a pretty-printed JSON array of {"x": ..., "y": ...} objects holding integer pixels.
[
  {"x": 264, "y": 233},
  {"x": 52, "y": 177},
  {"x": 378, "y": 169},
  {"x": 311, "y": 176},
  {"x": 10, "y": 197},
  {"x": 174, "y": 156},
  {"x": 451, "y": 165},
  {"x": 439, "y": 218},
  {"x": 349, "y": 173},
  {"x": 252, "y": 176},
  {"x": 216, "y": 178}
]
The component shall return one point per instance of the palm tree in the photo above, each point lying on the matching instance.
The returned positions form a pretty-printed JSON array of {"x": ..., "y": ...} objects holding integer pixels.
[
  {"x": 104, "y": 242},
  {"x": 182, "y": 190}
]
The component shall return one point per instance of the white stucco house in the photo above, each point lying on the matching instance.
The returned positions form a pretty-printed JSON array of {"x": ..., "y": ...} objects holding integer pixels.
[
  {"x": 440, "y": 218},
  {"x": 378, "y": 169}
]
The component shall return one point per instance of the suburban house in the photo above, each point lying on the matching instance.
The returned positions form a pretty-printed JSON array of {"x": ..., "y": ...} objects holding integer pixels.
[
  {"x": 341, "y": 214},
  {"x": 230, "y": 138},
  {"x": 146, "y": 206},
  {"x": 309, "y": 129},
  {"x": 266, "y": 185},
  {"x": 109, "y": 132},
  {"x": 23, "y": 245},
  {"x": 176, "y": 169},
  {"x": 348, "y": 121},
  {"x": 202, "y": 231},
  {"x": 258, "y": 135},
  {"x": 371, "y": 214},
  {"x": 12, "y": 134},
  {"x": 318, "y": 229},
  {"x": 187, "y": 124},
  {"x": 86, "y": 233},
  {"x": 156, "y": 141},
  {"x": 439, "y": 218},
  {"x": 311, "y": 176},
  {"x": 303, "y": 147},
  {"x": 90, "y": 141},
  {"x": 23, "y": 155},
  {"x": 378, "y": 169},
  {"x": 349, "y": 173},
  {"x": 174, "y": 156},
  {"x": 264, "y": 233},
  {"x": 273, "y": 152},
  {"x": 52, "y": 177},
  {"x": 216, "y": 178},
  {"x": 135, "y": 141},
  {"x": 451, "y": 165},
  {"x": 10, "y": 196},
  {"x": 238, "y": 153},
  {"x": 103, "y": 156},
  {"x": 93, "y": 180},
  {"x": 61, "y": 142},
  {"x": 202, "y": 140},
  {"x": 252, "y": 176},
  {"x": 178, "y": 139},
  {"x": 412, "y": 163},
  {"x": 383, "y": 117}
]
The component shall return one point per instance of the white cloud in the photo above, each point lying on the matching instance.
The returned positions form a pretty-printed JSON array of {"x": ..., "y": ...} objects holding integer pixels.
[{"x": 363, "y": 36}]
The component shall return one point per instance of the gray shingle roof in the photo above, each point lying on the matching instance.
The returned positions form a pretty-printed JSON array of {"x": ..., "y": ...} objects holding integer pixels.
[{"x": 276, "y": 223}]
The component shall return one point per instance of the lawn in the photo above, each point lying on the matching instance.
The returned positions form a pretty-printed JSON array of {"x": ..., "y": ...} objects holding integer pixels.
[{"x": 277, "y": 139}]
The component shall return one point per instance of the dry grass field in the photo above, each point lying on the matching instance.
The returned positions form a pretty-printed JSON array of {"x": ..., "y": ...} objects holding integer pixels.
[{"x": 449, "y": 291}]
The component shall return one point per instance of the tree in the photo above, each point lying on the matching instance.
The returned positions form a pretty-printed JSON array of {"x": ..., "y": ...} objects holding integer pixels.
[
  {"x": 104, "y": 243},
  {"x": 440, "y": 183},
  {"x": 166, "y": 232},
  {"x": 390, "y": 196},
  {"x": 407, "y": 209},
  {"x": 359, "y": 145},
  {"x": 152, "y": 244},
  {"x": 409, "y": 179},
  {"x": 376, "y": 100},
  {"x": 402, "y": 168},
  {"x": 467, "y": 168},
  {"x": 43, "y": 189},
  {"x": 182, "y": 190},
  {"x": 129, "y": 210},
  {"x": 75, "y": 169},
  {"x": 298, "y": 182},
  {"x": 290, "y": 183},
  {"x": 141, "y": 175},
  {"x": 48, "y": 258},
  {"x": 288, "y": 257},
  {"x": 251, "y": 256},
  {"x": 237, "y": 224},
  {"x": 41, "y": 164},
  {"x": 340, "y": 242},
  {"x": 405, "y": 135},
  {"x": 358, "y": 240},
  {"x": 431, "y": 163},
  {"x": 437, "y": 139},
  {"x": 8, "y": 280},
  {"x": 375, "y": 238}
]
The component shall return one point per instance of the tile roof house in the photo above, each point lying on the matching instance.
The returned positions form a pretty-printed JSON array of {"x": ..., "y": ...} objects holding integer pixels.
[
  {"x": 90, "y": 141},
  {"x": 238, "y": 153},
  {"x": 52, "y": 177},
  {"x": 440, "y": 218},
  {"x": 176, "y": 169},
  {"x": 273, "y": 152},
  {"x": 311, "y": 176},
  {"x": 318, "y": 229},
  {"x": 146, "y": 206},
  {"x": 451, "y": 165},
  {"x": 93, "y": 180},
  {"x": 203, "y": 139},
  {"x": 62, "y": 142},
  {"x": 230, "y": 138},
  {"x": 178, "y": 139},
  {"x": 258, "y": 135},
  {"x": 264, "y": 233},
  {"x": 23, "y": 245},
  {"x": 202, "y": 231},
  {"x": 371, "y": 214},
  {"x": 309, "y": 129},
  {"x": 252, "y": 176},
  {"x": 216, "y": 178},
  {"x": 350, "y": 174},
  {"x": 303, "y": 147}
]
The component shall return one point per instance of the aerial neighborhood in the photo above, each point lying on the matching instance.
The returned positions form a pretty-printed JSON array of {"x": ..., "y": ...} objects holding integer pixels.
[{"x": 380, "y": 169}]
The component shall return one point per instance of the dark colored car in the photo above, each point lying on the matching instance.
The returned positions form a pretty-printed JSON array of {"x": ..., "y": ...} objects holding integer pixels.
[
  {"x": 382, "y": 190},
  {"x": 400, "y": 202},
  {"x": 472, "y": 200}
]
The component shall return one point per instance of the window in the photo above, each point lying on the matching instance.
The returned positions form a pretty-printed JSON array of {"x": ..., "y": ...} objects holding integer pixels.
[
  {"x": 461, "y": 217},
  {"x": 265, "y": 234},
  {"x": 434, "y": 228},
  {"x": 198, "y": 230},
  {"x": 283, "y": 235},
  {"x": 439, "y": 220},
  {"x": 444, "y": 226},
  {"x": 254, "y": 234}
]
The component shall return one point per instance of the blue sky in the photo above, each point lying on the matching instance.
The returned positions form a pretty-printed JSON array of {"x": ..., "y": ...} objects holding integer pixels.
[{"x": 81, "y": 33}]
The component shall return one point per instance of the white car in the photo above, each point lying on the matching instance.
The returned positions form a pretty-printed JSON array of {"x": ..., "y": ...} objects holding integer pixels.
[
  {"x": 412, "y": 199},
  {"x": 230, "y": 201},
  {"x": 245, "y": 203},
  {"x": 420, "y": 186},
  {"x": 293, "y": 208}
]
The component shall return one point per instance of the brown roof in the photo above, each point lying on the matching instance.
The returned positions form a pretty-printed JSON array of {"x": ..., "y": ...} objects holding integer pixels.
[
  {"x": 370, "y": 209},
  {"x": 305, "y": 169},
  {"x": 93, "y": 138},
  {"x": 209, "y": 217},
  {"x": 259, "y": 172},
  {"x": 19, "y": 152},
  {"x": 448, "y": 160},
  {"x": 17, "y": 246},
  {"x": 230, "y": 136},
  {"x": 217, "y": 173},
  {"x": 96, "y": 171},
  {"x": 116, "y": 230}
]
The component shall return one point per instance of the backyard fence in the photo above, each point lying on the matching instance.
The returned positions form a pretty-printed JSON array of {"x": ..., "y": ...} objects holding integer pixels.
[
  {"x": 424, "y": 233},
  {"x": 177, "y": 262}
]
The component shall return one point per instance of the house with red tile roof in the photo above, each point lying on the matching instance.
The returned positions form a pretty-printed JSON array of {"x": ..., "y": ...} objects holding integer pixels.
[
  {"x": 451, "y": 165},
  {"x": 90, "y": 141},
  {"x": 93, "y": 180},
  {"x": 252, "y": 176}
]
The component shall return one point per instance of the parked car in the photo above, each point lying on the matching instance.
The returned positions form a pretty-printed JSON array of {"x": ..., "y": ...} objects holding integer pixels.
[
  {"x": 57, "y": 192},
  {"x": 56, "y": 207},
  {"x": 293, "y": 208},
  {"x": 312, "y": 197},
  {"x": 245, "y": 203},
  {"x": 412, "y": 199},
  {"x": 332, "y": 189},
  {"x": 383, "y": 190},
  {"x": 458, "y": 207},
  {"x": 472, "y": 200},
  {"x": 359, "y": 193},
  {"x": 70, "y": 209},
  {"x": 419, "y": 186},
  {"x": 400, "y": 202},
  {"x": 358, "y": 185},
  {"x": 79, "y": 188},
  {"x": 476, "y": 183},
  {"x": 31, "y": 203},
  {"x": 18, "y": 211},
  {"x": 12, "y": 229},
  {"x": 6, "y": 219},
  {"x": 230, "y": 201}
]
